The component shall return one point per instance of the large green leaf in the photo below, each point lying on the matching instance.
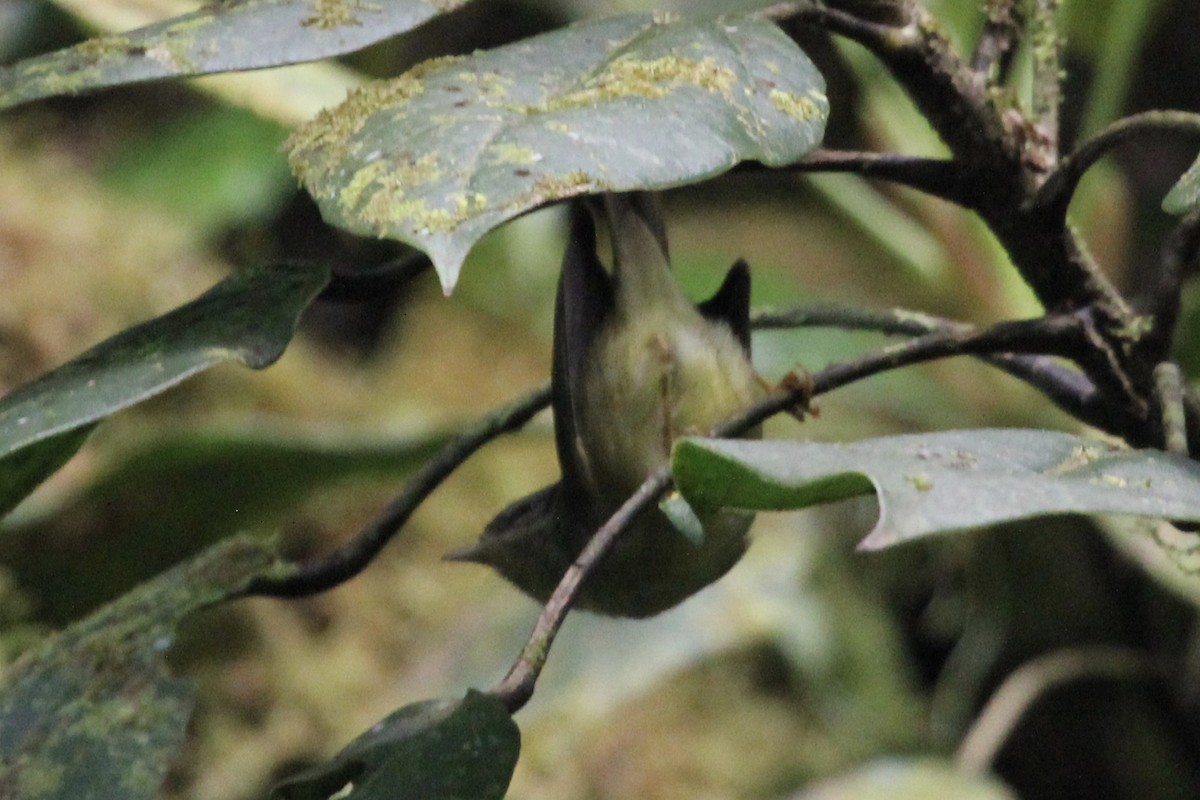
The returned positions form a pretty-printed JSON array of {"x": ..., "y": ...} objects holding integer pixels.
[
  {"x": 1184, "y": 195},
  {"x": 94, "y": 712},
  {"x": 939, "y": 482},
  {"x": 434, "y": 750},
  {"x": 224, "y": 36},
  {"x": 454, "y": 147},
  {"x": 249, "y": 317}
]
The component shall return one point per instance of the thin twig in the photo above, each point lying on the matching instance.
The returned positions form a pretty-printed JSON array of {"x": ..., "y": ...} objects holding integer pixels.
[
  {"x": 325, "y": 572},
  {"x": 1169, "y": 385},
  {"x": 1068, "y": 388},
  {"x": 939, "y": 177},
  {"x": 1047, "y": 44},
  {"x": 517, "y": 686},
  {"x": 1056, "y": 193},
  {"x": 1025, "y": 686},
  {"x": 887, "y": 34},
  {"x": 892, "y": 321}
]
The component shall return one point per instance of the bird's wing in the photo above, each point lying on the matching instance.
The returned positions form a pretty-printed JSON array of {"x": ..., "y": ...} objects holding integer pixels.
[{"x": 585, "y": 300}]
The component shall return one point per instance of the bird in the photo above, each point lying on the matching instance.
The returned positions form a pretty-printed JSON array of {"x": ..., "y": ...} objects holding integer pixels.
[{"x": 635, "y": 365}]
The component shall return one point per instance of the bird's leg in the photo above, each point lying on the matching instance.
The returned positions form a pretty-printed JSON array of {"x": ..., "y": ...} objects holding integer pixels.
[{"x": 799, "y": 381}]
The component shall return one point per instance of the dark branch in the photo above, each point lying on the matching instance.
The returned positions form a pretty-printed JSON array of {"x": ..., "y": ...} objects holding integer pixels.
[
  {"x": 1066, "y": 387},
  {"x": 1055, "y": 194},
  {"x": 935, "y": 176},
  {"x": 1158, "y": 293},
  {"x": 997, "y": 43},
  {"x": 325, "y": 572},
  {"x": 355, "y": 285}
]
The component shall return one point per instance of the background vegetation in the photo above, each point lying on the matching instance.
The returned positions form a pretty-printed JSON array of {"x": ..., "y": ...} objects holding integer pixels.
[{"x": 807, "y": 660}]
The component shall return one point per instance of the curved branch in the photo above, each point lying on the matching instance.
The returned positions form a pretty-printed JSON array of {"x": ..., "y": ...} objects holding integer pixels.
[
  {"x": 325, "y": 572},
  {"x": 1055, "y": 194},
  {"x": 347, "y": 286},
  {"x": 1028, "y": 684}
]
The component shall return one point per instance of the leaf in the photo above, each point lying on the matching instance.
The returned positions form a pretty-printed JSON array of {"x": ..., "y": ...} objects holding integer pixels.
[
  {"x": 1184, "y": 195},
  {"x": 227, "y": 36},
  {"x": 908, "y": 779},
  {"x": 201, "y": 486},
  {"x": 455, "y": 147},
  {"x": 249, "y": 317},
  {"x": 434, "y": 750},
  {"x": 23, "y": 471},
  {"x": 94, "y": 712},
  {"x": 939, "y": 482}
]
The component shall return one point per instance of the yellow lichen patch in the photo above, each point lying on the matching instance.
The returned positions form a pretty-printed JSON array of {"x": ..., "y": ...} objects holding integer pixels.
[
  {"x": 432, "y": 65},
  {"x": 506, "y": 153},
  {"x": 556, "y": 187},
  {"x": 629, "y": 77},
  {"x": 329, "y": 14},
  {"x": 350, "y": 195},
  {"x": 387, "y": 209},
  {"x": 796, "y": 106},
  {"x": 392, "y": 186},
  {"x": 96, "y": 49},
  {"x": 394, "y": 178},
  {"x": 331, "y": 130},
  {"x": 468, "y": 203}
]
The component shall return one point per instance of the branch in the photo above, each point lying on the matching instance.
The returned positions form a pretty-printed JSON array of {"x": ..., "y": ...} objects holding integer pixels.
[
  {"x": 1168, "y": 383},
  {"x": 1069, "y": 389},
  {"x": 1055, "y": 194},
  {"x": 942, "y": 178},
  {"x": 517, "y": 686},
  {"x": 347, "y": 286},
  {"x": 1047, "y": 78},
  {"x": 325, "y": 572},
  {"x": 892, "y": 321},
  {"x": 997, "y": 43},
  {"x": 880, "y": 32},
  {"x": 1025, "y": 686}
]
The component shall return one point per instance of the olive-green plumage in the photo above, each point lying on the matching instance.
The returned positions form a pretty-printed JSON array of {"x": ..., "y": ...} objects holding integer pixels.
[{"x": 635, "y": 365}]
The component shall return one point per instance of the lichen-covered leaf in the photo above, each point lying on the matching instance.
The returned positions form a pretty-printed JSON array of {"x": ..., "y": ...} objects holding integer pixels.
[
  {"x": 94, "y": 713},
  {"x": 249, "y": 317},
  {"x": 908, "y": 779},
  {"x": 434, "y": 750},
  {"x": 454, "y": 147},
  {"x": 940, "y": 482},
  {"x": 1184, "y": 195},
  {"x": 227, "y": 36}
]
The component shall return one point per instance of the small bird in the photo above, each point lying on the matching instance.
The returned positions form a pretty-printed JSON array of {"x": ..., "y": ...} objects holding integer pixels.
[{"x": 635, "y": 365}]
